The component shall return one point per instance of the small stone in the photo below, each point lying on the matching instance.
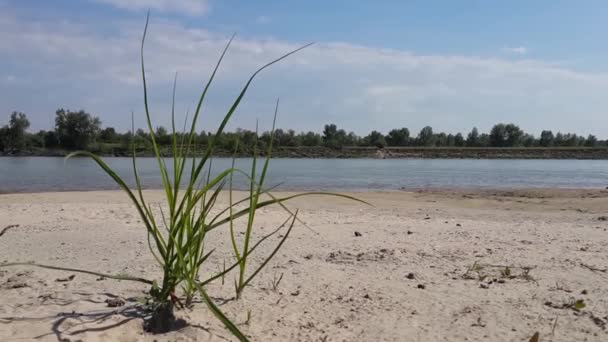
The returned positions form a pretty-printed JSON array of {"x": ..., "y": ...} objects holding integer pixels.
[
  {"x": 357, "y": 234},
  {"x": 15, "y": 284},
  {"x": 409, "y": 232},
  {"x": 584, "y": 292},
  {"x": 484, "y": 286},
  {"x": 421, "y": 286},
  {"x": 366, "y": 296},
  {"x": 602, "y": 218},
  {"x": 63, "y": 280},
  {"x": 115, "y": 302},
  {"x": 295, "y": 293},
  {"x": 411, "y": 276},
  {"x": 458, "y": 225}
]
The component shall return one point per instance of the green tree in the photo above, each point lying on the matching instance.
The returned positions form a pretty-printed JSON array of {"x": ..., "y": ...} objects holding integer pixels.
[
  {"x": 473, "y": 138},
  {"x": 14, "y": 134},
  {"x": 141, "y": 133},
  {"x": 398, "y": 137},
  {"x": 528, "y": 140},
  {"x": 3, "y": 138},
  {"x": 161, "y": 136},
  {"x": 50, "y": 139},
  {"x": 351, "y": 139},
  {"x": 330, "y": 135},
  {"x": 376, "y": 139},
  {"x": 333, "y": 137},
  {"x": 591, "y": 141},
  {"x": 108, "y": 135},
  {"x": 37, "y": 140},
  {"x": 310, "y": 139},
  {"x": 441, "y": 139},
  {"x": 513, "y": 135},
  {"x": 571, "y": 140},
  {"x": 451, "y": 140},
  {"x": 203, "y": 139},
  {"x": 247, "y": 138},
  {"x": 484, "y": 140},
  {"x": 76, "y": 130},
  {"x": 498, "y": 135},
  {"x": 285, "y": 138},
  {"x": 426, "y": 136},
  {"x": 559, "y": 139},
  {"x": 459, "y": 140},
  {"x": 126, "y": 140},
  {"x": 546, "y": 139}
]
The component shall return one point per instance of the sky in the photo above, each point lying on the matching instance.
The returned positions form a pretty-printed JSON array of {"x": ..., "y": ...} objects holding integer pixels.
[{"x": 375, "y": 65}]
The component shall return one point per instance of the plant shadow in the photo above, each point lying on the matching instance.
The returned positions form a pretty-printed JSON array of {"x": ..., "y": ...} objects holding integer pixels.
[{"x": 66, "y": 325}]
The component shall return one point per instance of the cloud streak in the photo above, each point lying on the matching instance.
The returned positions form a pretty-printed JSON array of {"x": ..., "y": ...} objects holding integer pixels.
[{"x": 519, "y": 50}]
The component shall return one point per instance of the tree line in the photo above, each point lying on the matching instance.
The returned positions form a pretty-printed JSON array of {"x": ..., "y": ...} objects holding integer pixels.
[{"x": 76, "y": 130}]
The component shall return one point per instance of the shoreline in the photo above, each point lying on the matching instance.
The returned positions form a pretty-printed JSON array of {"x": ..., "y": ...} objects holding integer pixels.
[
  {"x": 488, "y": 191},
  {"x": 541, "y": 153}
]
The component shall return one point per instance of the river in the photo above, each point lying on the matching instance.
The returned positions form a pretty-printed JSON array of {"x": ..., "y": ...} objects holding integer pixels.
[{"x": 36, "y": 174}]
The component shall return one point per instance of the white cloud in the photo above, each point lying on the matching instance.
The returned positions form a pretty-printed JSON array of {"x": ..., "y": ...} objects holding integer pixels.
[
  {"x": 520, "y": 50},
  {"x": 188, "y": 7},
  {"x": 358, "y": 87}
]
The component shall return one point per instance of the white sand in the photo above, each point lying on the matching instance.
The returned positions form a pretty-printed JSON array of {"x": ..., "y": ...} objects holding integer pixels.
[{"x": 336, "y": 287}]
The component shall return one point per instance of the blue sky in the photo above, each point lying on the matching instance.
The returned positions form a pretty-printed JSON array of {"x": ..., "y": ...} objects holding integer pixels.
[{"x": 376, "y": 64}]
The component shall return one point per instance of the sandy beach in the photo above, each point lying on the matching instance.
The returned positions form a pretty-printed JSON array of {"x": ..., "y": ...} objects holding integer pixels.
[{"x": 417, "y": 266}]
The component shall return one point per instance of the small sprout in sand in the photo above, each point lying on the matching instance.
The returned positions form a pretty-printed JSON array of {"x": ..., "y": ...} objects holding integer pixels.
[
  {"x": 554, "y": 326},
  {"x": 498, "y": 273},
  {"x": 248, "y": 320},
  {"x": 574, "y": 304},
  {"x": 223, "y": 272},
  {"x": 276, "y": 281},
  {"x": 579, "y": 305}
]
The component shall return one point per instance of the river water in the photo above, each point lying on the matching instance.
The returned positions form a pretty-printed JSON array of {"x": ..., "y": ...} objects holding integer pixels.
[{"x": 33, "y": 174}]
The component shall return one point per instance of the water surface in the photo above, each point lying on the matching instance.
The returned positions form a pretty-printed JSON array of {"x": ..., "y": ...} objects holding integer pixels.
[{"x": 32, "y": 174}]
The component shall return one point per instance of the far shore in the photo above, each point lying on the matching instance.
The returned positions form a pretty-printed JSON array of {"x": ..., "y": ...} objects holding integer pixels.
[{"x": 379, "y": 153}]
